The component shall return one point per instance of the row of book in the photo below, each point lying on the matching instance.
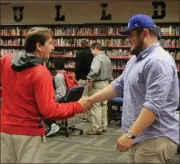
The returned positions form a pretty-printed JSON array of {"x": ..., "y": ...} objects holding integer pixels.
[
  {"x": 103, "y": 31},
  {"x": 69, "y": 42},
  {"x": 4, "y": 51},
  {"x": 74, "y": 42},
  {"x": 170, "y": 42},
  {"x": 103, "y": 42},
  {"x": 117, "y": 65},
  {"x": 10, "y": 31},
  {"x": 70, "y": 65},
  {"x": 178, "y": 67},
  {"x": 170, "y": 30},
  {"x": 9, "y": 42},
  {"x": 111, "y": 53},
  {"x": 87, "y": 31},
  {"x": 176, "y": 55},
  {"x": 116, "y": 74}
]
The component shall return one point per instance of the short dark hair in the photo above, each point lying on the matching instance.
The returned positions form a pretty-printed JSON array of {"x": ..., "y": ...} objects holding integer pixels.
[
  {"x": 84, "y": 43},
  {"x": 152, "y": 31},
  {"x": 59, "y": 63},
  {"x": 35, "y": 35},
  {"x": 97, "y": 46}
]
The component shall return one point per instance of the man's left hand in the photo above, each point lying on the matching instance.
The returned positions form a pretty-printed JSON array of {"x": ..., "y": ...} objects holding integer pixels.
[
  {"x": 89, "y": 84},
  {"x": 124, "y": 143}
]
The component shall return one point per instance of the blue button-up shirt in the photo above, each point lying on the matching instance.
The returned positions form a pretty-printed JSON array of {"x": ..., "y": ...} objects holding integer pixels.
[{"x": 150, "y": 80}]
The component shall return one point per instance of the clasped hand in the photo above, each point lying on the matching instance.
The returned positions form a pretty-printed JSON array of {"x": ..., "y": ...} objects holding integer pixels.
[{"x": 85, "y": 103}]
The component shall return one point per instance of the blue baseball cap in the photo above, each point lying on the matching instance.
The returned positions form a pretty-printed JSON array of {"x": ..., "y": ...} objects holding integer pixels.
[{"x": 138, "y": 21}]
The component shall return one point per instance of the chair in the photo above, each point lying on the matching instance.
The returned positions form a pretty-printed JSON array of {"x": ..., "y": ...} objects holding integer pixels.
[
  {"x": 112, "y": 113},
  {"x": 74, "y": 94}
]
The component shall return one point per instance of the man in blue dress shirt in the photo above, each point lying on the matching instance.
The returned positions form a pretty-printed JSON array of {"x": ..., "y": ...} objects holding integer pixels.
[{"x": 149, "y": 86}]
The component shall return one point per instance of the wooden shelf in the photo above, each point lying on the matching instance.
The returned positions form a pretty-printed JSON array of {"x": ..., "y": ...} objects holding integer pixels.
[
  {"x": 90, "y": 36},
  {"x": 69, "y": 67},
  {"x": 62, "y": 56},
  {"x": 11, "y": 45},
  {"x": 174, "y": 36},
  {"x": 120, "y": 57},
  {"x": 79, "y": 36},
  {"x": 169, "y": 47},
  {"x": 111, "y": 57},
  {"x": 118, "y": 69},
  {"x": 9, "y": 36},
  {"x": 104, "y": 47}
]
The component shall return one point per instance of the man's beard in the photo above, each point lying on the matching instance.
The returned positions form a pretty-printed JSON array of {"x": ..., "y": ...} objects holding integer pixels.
[{"x": 138, "y": 49}]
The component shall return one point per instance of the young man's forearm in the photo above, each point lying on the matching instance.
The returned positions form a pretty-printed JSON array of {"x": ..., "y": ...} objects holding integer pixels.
[
  {"x": 144, "y": 120},
  {"x": 105, "y": 94}
]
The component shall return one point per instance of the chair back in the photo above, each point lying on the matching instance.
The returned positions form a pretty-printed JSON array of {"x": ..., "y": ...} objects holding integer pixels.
[{"x": 74, "y": 94}]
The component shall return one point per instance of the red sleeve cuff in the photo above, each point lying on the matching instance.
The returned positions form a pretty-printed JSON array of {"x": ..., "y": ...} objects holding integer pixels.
[{"x": 79, "y": 108}]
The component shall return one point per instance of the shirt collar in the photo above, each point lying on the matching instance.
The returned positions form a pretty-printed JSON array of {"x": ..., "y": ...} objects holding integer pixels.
[
  {"x": 100, "y": 52},
  {"x": 146, "y": 52}
]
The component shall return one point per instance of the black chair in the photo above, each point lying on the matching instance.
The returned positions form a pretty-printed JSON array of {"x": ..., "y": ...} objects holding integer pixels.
[
  {"x": 112, "y": 113},
  {"x": 74, "y": 94}
]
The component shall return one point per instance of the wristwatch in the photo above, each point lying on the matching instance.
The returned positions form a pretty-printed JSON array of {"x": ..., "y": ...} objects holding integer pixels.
[{"x": 130, "y": 135}]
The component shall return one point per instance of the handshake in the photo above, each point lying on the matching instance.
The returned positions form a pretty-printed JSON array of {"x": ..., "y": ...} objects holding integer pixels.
[{"x": 86, "y": 103}]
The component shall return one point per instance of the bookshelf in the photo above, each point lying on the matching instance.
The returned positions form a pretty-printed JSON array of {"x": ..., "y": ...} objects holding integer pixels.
[{"x": 68, "y": 37}]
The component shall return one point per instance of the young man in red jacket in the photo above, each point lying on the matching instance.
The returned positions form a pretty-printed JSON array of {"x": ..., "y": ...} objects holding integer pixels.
[
  {"x": 0, "y": 96},
  {"x": 28, "y": 97}
]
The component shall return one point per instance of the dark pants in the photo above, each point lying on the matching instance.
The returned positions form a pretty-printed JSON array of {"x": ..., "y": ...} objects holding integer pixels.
[{"x": 49, "y": 122}]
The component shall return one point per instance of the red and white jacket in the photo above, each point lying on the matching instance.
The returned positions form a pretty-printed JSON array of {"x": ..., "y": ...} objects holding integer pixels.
[{"x": 28, "y": 97}]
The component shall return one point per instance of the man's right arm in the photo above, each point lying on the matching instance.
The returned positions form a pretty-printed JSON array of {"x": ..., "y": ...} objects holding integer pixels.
[
  {"x": 105, "y": 94},
  {"x": 112, "y": 90},
  {"x": 45, "y": 99}
]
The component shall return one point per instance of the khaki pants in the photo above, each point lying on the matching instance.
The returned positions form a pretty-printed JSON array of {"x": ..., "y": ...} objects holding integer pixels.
[
  {"x": 85, "y": 84},
  {"x": 22, "y": 149},
  {"x": 99, "y": 110},
  {"x": 156, "y": 150}
]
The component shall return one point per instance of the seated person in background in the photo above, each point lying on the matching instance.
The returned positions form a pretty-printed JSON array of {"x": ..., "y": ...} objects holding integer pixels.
[
  {"x": 59, "y": 80},
  {"x": 60, "y": 90}
]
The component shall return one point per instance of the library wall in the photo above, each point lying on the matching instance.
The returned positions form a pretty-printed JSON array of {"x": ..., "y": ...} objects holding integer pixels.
[
  {"x": 68, "y": 37},
  {"x": 86, "y": 12}
]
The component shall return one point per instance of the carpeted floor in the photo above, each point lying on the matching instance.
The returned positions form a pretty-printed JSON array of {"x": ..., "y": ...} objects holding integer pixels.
[{"x": 87, "y": 149}]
